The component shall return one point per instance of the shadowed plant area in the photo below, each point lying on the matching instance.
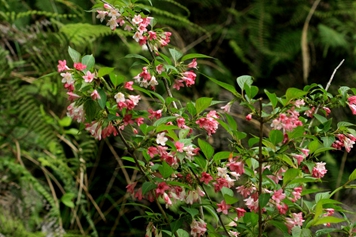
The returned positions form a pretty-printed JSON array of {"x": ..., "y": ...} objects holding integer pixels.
[{"x": 177, "y": 118}]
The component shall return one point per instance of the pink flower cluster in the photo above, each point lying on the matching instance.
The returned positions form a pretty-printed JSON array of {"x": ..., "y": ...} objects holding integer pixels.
[
  {"x": 197, "y": 228},
  {"x": 346, "y": 141},
  {"x": 145, "y": 79},
  {"x": 186, "y": 78},
  {"x": 140, "y": 24},
  {"x": 319, "y": 170},
  {"x": 295, "y": 220},
  {"x": 287, "y": 121},
  {"x": 209, "y": 123}
]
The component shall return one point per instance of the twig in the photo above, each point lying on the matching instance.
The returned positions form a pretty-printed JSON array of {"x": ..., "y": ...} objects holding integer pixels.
[{"x": 260, "y": 162}]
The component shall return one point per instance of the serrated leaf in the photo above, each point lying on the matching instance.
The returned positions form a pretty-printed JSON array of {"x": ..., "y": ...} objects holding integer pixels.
[
  {"x": 148, "y": 186},
  {"x": 74, "y": 55},
  {"x": 165, "y": 170},
  {"x": 202, "y": 103},
  {"x": 206, "y": 148},
  {"x": 105, "y": 71}
]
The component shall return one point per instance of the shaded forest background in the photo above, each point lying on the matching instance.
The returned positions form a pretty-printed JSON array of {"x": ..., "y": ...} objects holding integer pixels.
[{"x": 56, "y": 179}]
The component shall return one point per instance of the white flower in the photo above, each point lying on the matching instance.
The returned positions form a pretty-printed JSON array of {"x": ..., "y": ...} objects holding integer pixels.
[
  {"x": 120, "y": 97},
  {"x": 161, "y": 139}
]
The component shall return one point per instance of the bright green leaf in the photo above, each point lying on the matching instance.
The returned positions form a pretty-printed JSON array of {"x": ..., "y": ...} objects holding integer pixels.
[
  {"x": 176, "y": 55},
  {"x": 165, "y": 170},
  {"x": 206, "y": 148},
  {"x": 275, "y": 136},
  {"x": 328, "y": 219},
  {"x": 202, "y": 103},
  {"x": 289, "y": 175},
  {"x": 65, "y": 122},
  {"x": 352, "y": 176},
  {"x": 194, "y": 55},
  {"x": 272, "y": 97},
  {"x": 242, "y": 80},
  {"x": 105, "y": 71},
  {"x": 115, "y": 79},
  {"x": 75, "y": 56},
  {"x": 88, "y": 60},
  {"x": 67, "y": 199},
  {"x": 138, "y": 57},
  {"x": 230, "y": 199}
]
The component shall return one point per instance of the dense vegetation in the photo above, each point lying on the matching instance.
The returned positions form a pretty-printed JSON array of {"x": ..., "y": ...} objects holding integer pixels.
[{"x": 55, "y": 178}]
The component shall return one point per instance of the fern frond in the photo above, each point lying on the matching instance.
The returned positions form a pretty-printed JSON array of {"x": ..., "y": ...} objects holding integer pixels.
[{"x": 13, "y": 16}]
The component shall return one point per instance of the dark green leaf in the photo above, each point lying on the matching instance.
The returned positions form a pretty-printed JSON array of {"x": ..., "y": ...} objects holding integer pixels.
[
  {"x": 272, "y": 97},
  {"x": 202, "y": 103},
  {"x": 148, "y": 186},
  {"x": 275, "y": 136},
  {"x": 352, "y": 176},
  {"x": 263, "y": 199},
  {"x": 138, "y": 57},
  {"x": 206, "y": 148},
  {"x": 230, "y": 199},
  {"x": 192, "y": 211},
  {"x": 320, "y": 118},
  {"x": 290, "y": 174},
  {"x": 102, "y": 100},
  {"x": 201, "y": 162},
  {"x": 176, "y": 225},
  {"x": 222, "y": 155},
  {"x": 90, "y": 109},
  {"x": 294, "y": 93},
  {"x": 165, "y": 170}
]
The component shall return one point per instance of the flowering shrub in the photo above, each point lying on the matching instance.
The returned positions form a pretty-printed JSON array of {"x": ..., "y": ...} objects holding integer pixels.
[{"x": 262, "y": 181}]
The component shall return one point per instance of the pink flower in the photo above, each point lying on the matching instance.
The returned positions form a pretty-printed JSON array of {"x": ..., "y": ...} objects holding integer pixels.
[
  {"x": 205, "y": 178},
  {"x": 193, "y": 64},
  {"x": 161, "y": 188},
  {"x": 310, "y": 112},
  {"x": 209, "y": 123},
  {"x": 131, "y": 187},
  {"x": 240, "y": 212},
  {"x": 223, "y": 207},
  {"x": 278, "y": 196},
  {"x": 220, "y": 183},
  {"x": 297, "y": 193},
  {"x": 298, "y": 157},
  {"x": 152, "y": 151},
  {"x": 299, "y": 103},
  {"x": 128, "y": 85},
  {"x": 154, "y": 114},
  {"x": 296, "y": 220},
  {"x": 226, "y": 107},
  {"x": 319, "y": 170},
  {"x": 179, "y": 146},
  {"x": 236, "y": 166},
  {"x": 89, "y": 77},
  {"x": 282, "y": 208},
  {"x": 249, "y": 117},
  {"x": 80, "y": 66},
  {"x": 101, "y": 15},
  {"x": 112, "y": 23},
  {"x": 327, "y": 111},
  {"x": 95, "y": 95},
  {"x": 197, "y": 228},
  {"x": 62, "y": 65},
  {"x": 352, "y": 104},
  {"x": 95, "y": 129},
  {"x": 252, "y": 203}
]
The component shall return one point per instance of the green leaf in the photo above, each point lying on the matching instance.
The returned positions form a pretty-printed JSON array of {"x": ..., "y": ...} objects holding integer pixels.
[
  {"x": 222, "y": 155},
  {"x": 183, "y": 133},
  {"x": 164, "y": 127},
  {"x": 296, "y": 231},
  {"x": 227, "y": 191},
  {"x": 192, "y": 211},
  {"x": 225, "y": 86},
  {"x": 67, "y": 199},
  {"x": 251, "y": 91},
  {"x": 191, "y": 108},
  {"x": 105, "y": 71},
  {"x": 206, "y": 148},
  {"x": 202, "y": 103},
  {"x": 164, "y": 120},
  {"x": 328, "y": 219},
  {"x": 65, "y": 122},
  {"x": 231, "y": 121},
  {"x": 148, "y": 186},
  {"x": 294, "y": 93},
  {"x": 230, "y": 199},
  {"x": 242, "y": 80},
  {"x": 115, "y": 79},
  {"x": 74, "y": 55},
  {"x": 201, "y": 162},
  {"x": 289, "y": 175},
  {"x": 194, "y": 55},
  {"x": 182, "y": 233},
  {"x": 344, "y": 124},
  {"x": 102, "y": 100},
  {"x": 313, "y": 146},
  {"x": 296, "y": 133},
  {"x": 90, "y": 109},
  {"x": 302, "y": 180},
  {"x": 263, "y": 199},
  {"x": 252, "y": 141},
  {"x": 275, "y": 136},
  {"x": 272, "y": 97},
  {"x": 328, "y": 141},
  {"x": 280, "y": 225},
  {"x": 88, "y": 60},
  {"x": 320, "y": 118},
  {"x": 352, "y": 176},
  {"x": 138, "y": 57},
  {"x": 251, "y": 217},
  {"x": 176, "y": 225},
  {"x": 165, "y": 170},
  {"x": 176, "y": 55}
]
